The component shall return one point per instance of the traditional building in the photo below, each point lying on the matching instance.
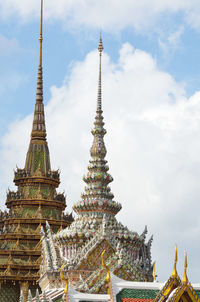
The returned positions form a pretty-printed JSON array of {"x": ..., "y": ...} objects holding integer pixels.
[
  {"x": 35, "y": 202},
  {"x": 173, "y": 290},
  {"x": 94, "y": 230}
]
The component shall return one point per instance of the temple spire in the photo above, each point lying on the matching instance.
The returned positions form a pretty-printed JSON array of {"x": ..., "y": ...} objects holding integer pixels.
[
  {"x": 38, "y": 153},
  {"x": 98, "y": 196},
  {"x": 98, "y": 150},
  {"x": 39, "y": 129}
]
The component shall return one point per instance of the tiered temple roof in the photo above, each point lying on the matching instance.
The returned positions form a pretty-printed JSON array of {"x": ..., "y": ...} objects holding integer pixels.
[{"x": 35, "y": 201}]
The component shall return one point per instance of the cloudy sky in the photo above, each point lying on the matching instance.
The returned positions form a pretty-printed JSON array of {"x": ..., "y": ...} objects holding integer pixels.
[{"x": 151, "y": 101}]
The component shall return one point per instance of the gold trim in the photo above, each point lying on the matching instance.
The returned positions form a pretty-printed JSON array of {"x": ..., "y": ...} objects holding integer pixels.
[{"x": 181, "y": 290}]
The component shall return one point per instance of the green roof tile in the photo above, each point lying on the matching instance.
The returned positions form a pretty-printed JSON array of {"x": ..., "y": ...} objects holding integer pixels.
[
  {"x": 197, "y": 292},
  {"x": 137, "y": 293}
]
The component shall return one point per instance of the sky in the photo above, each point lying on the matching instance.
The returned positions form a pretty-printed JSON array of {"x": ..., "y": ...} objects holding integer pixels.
[{"x": 151, "y": 103}]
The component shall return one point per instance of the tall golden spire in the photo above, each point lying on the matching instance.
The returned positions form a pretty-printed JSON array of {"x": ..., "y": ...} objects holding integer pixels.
[
  {"x": 174, "y": 273},
  {"x": 39, "y": 129},
  {"x": 185, "y": 278},
  {"x": 38, "y": 148}
]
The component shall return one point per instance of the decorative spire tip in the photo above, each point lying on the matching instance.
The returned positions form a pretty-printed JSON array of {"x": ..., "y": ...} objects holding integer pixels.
[
  {"x": 185, "y": 278},
  {"x": 41, "y": 37},
  {"x": 174, "y": 273},
  {"x": 100, "y": 48}
]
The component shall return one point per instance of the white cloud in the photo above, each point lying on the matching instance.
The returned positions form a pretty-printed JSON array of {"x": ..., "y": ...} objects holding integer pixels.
[
  {"x": 153, "y": 144},
  {"x": 175, "y": 36},
  {"x": 109, "y": 15},
  {"x": 8, "y": 46},
  {"x": 171, "y": 41}
]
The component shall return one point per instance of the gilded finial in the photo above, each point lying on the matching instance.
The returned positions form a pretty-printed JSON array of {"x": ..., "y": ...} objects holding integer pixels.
[
  {"x": 66, "y": 282},
  {"x": 185, "y": 278},
  {"x": 41, "y": 37},
  {"x": 154, "y": 271},
  {"x": 174, "y": 273}
]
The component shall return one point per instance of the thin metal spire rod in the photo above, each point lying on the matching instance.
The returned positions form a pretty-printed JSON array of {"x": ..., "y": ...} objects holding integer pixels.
[
  {"x": 99, "y": 97},
  {"x": 41, "y": 37}
]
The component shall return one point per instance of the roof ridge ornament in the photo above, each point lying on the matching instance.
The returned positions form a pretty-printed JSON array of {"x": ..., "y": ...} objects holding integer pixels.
[
  {"x": 154, "y": 271},
  {"x": 174, "y": 273},
  {"x": 185, "y": 278}
]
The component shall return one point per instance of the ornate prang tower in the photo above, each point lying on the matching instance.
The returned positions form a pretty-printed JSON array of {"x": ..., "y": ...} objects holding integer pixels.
[
  {"x": 97, "y": 197},
  {"x": 95, "y": 230},
  {"x": 35, "y": 202}
]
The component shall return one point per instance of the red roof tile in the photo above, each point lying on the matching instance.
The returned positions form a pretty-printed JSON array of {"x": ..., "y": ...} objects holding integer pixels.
[{"x": 136, "y": 300}]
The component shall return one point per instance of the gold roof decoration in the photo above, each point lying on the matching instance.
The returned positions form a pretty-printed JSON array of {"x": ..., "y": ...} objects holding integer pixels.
[
  {"x": 121, "y": 290},
  {"x": 185, "y": 278},
  {"x": 175, "y": 290},
  {"x": 185, "y": 291},
  {"x": 172, "y": 283},
  {"x": 154, "y": 271},
  {"x": 174, "y": 273}
]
